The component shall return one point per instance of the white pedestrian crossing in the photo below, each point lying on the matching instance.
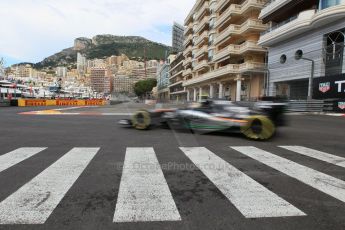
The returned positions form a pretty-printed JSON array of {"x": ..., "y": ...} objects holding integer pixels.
[
  {"x": 322, "y": 156},
  {"x": 320, "y": 181},
  {"x": 35, "y": 201},
  {"x": 144, "y": 194},
  {"x": 251, "y": 198},
  {"x": 12, "y": 158}
]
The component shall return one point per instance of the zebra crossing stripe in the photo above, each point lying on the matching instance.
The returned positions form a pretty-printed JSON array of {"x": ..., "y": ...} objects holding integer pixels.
[
  {"x": 12, "y": 158},
  {"x": 251, "y": 198},
  {"x": 35, "y": 201},
  {"x": 144, "y": 194},
  {"x": 332, "y": 159},
  {"x": 320, "y": 181}
]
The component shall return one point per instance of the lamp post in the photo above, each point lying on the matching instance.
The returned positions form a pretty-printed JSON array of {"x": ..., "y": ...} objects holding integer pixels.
[{"x": 299, "y": 56}]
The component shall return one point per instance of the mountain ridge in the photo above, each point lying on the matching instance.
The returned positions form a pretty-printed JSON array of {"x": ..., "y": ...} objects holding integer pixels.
[{"x": 106, "y": 45}]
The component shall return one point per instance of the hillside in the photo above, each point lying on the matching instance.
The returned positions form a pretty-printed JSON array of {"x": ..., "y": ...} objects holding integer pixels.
[{"x": 102, "y": 46}]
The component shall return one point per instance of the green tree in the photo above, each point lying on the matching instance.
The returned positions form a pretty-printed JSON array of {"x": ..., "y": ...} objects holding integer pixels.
[{"x": 142, "y": 88}]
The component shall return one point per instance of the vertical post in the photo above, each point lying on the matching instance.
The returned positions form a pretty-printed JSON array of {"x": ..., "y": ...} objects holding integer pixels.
[
  {"x": 238, "y": 88},
  {"x": 311, "y": 81},
  {"x": 194, "y": 99},
  {"x": 200, "y": 94},
  {"x": 211, "y": 91},
  {"x": 188, "y": 95},
  {"x": 220, "y": 96}
]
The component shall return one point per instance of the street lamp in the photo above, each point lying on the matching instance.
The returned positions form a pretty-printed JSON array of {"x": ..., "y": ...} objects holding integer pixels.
[{"x": 299, "y": 56}]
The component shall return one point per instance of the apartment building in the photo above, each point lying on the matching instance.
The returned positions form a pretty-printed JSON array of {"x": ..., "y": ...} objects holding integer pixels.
[
  {"x": 222, "y": 57},
  {"x": 306, "y": 55},
  {"x": 124, "y": 84},
  {"x": 177, "y": 37},
  {"x": 100, "y": 80},
  {"x": 176, "y": 90}
]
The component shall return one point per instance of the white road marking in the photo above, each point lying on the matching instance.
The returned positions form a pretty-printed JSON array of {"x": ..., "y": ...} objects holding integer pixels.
[
  {"x": 35, "y": 201},
  {"x": 322, "y": 156},
  {"x": 144, "y": 194},
  {"x": 320, "y": 181},
  {"x": 251, "y": 198},
  {"x": 12, "y": 158}
]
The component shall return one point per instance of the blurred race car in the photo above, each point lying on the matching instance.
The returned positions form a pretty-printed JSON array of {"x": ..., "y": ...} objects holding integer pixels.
[{"x": 256, "y": 121}]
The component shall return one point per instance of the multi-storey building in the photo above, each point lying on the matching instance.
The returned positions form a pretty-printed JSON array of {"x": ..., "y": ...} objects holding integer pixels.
[
  {"x": 222, "y": 57},
  {"x": 176, "y": 90},
  {"x": 177, "y": 37},
  {"x": 61, "y": 72},
  {"x": 81, "y": 64},
  {"x": 124, "y": 84},
  {"x": 163, "y": 79},
  {"x": 23, "y": 71},
  {"x": 100, "y": 80},
  {"x": 306, "y": 47}
]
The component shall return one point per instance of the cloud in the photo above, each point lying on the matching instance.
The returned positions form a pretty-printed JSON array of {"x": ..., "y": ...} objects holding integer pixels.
[{"x": 34, "y": 29}]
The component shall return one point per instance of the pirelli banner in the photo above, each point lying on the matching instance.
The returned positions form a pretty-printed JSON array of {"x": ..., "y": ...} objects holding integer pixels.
[
  {"x": 332, "y": 87},
  {"x": 60, "y": 102}
]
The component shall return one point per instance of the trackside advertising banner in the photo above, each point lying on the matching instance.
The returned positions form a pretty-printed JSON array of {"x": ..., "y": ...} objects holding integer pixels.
[{"x": 331, "y": 87}]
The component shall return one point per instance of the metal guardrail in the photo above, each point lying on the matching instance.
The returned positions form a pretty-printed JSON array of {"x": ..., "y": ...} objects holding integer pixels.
[{"x": 316, "y": 106}]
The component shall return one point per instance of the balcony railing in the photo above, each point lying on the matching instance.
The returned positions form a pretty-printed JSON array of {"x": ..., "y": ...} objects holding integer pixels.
[
  {"x": 201, "y": 65},
  {"x": 202, "y": 10},
  {"x": 239, "y": 10},
  {"x": 187, "y": 72},
  {"x": 202, "y": 37},
  {"x": 202, "y": 23},
  {"x": 187, "y": 40},
  {"x": 239, "y": 29},
  {"x": 279, "y": 25},
  {"x": 188, "y": 50},
  {"x": 187, "y": 61},
  {"x": 226, "y": 70},
  {"x": 271, "y": 6},
  {"x": 201, "y": 51},
  {"x": 238, "y": 49}
]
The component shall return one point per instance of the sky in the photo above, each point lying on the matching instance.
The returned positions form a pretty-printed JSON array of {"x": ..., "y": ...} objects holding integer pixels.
[{"x": 34, "y": 29}]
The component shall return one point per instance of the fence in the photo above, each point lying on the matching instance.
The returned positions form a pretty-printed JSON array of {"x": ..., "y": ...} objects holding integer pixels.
[{"x": 60, "y": 102}]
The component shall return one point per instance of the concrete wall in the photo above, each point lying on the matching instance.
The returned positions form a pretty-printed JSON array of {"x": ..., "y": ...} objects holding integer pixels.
[{"x": 312, "y": 44}]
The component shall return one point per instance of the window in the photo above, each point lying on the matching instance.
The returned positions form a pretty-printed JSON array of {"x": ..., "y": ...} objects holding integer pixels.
[
  {"x": 329, "y": 3},
  {"x": 283, "y": 59}
]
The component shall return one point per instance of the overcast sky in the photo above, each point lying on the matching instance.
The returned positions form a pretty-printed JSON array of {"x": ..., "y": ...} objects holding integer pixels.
[{"x": 34, "y": 29}]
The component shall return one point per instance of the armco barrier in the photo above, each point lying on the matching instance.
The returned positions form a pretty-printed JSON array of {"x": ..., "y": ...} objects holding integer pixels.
[{"x": 59, "y": 102}]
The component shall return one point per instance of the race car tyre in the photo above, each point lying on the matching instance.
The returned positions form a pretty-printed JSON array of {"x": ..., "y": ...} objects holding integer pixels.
[
  {"x": 258, "y": 128},
  {"x": 141, "y": 120}
]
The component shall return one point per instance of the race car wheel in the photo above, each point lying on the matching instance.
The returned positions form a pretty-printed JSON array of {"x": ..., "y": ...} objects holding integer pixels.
[
  {"x": 258, "y": 128},
  {"x": 141, "y": 120}
]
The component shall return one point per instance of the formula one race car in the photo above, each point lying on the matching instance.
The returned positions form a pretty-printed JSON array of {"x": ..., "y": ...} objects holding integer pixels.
[{"x": 256, "y": 121}]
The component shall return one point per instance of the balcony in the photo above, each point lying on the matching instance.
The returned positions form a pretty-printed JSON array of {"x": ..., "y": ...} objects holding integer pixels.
[
  {"x": 188, "y": 29},
  {"x": 202, "y": 10},
  {"x": 187, "y": 61},
  {"x": 252, "y": 67},
  {"x": 201, "y": 65},
  {"x": 227, "y": 70},
  {"x": 239, "y": 10},
  {"x": 248, "y": 46},
  {"x": 187, "y": 51},
  {"x": 273, "y": 6},
  {"x": 176, "y": 74},
  {"x": 304, "y": 22},
  {"x": 201, "y": 51},
  {"x": 202, "y": 24},
  {"x": 176, "y": 83},
  {"x": 201, "y": 38},
  {"x": 187, "y": 72},
  {"x": 249, "y": 25},
  {"x": 187, "y": 40},
  {"x": 221, "y": 4}
]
